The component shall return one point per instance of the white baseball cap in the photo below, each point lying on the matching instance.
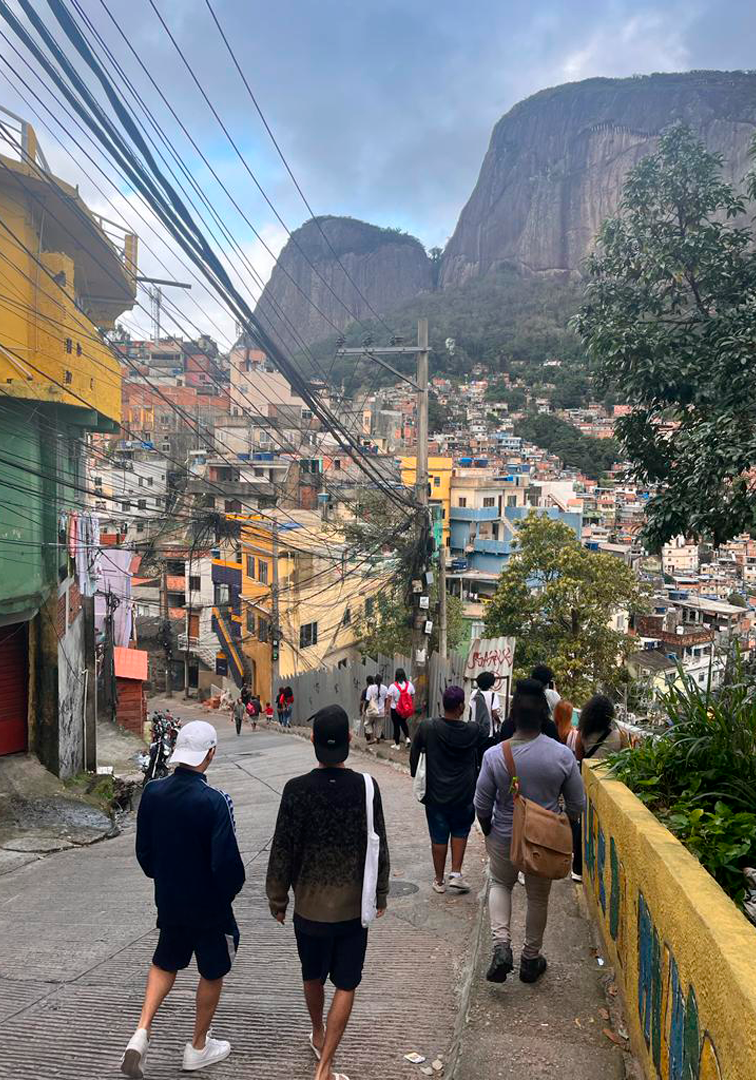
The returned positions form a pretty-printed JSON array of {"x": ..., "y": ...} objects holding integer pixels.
[{"x": 193, "y": 742}]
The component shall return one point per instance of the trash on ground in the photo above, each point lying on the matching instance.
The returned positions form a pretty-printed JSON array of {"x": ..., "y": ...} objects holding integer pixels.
[
  {"x": 416, "y": 1059},
  {"x": 615, "y": 1038}
]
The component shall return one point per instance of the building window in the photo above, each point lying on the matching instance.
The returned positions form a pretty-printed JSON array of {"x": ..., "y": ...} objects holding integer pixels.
[
  {"x": 489, "y": 501},
  {"x": 195, "y": 583},
  {"x": 511, "y": 500},
  {"x": 263, "y": 629},
  {"x": 308, "y": 635},
  {"x": 437, "y": 481},
  {"x": 369, "y": 605},
  {"x": 142, "y": 504},
  {"x": 262, "y": 568},
  {"x": 347, "y": 617},
  {"x": 251, "y": 566},
  {"x": 250, "y": 621},
  {"x": 462, "y": 502},
  {"x": 222, "y": 594},
  {"x": 140, "y": 526},
  {"x": 125, "y": 506},
  {"x": 149, "y": 481}
]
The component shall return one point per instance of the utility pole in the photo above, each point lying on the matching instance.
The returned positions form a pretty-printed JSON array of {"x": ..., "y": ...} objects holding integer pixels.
[
  {"x": 420, "y": 640},
  {"x": 275, "y": 637},
  {"x": 166, "y": 628},
  {"x": 443, "y": 648}
]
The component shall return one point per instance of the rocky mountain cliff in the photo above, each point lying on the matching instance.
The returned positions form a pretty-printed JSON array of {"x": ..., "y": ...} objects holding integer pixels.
[
  {"x": 310, "y": 291},
  {"x": 557, "y": 161}
]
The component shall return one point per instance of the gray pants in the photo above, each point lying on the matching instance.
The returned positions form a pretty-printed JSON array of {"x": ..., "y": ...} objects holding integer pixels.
[{"x": 503, "y": 875}]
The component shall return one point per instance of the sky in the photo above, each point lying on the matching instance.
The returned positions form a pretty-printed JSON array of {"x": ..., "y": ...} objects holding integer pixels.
[{"x": 383, "y": 109}]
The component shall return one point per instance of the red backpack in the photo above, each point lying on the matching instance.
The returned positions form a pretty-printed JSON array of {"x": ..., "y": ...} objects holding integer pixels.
[{"x": 405, "y": 706}]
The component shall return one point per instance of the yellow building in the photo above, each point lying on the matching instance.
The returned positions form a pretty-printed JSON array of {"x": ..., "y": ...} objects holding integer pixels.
[
  {"x": 65, "y": 276},
  {"x": 440, "y": 474},
  {"x": 299, "y": 576}
]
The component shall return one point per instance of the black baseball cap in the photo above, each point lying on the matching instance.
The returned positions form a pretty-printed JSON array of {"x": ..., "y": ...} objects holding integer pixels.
[{"x": 330, "y": 735}]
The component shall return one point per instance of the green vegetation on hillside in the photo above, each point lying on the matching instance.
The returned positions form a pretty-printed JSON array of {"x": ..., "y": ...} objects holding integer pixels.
[
  {"x": 591, "y": 456},
  {"x": 505, "y": 321}
]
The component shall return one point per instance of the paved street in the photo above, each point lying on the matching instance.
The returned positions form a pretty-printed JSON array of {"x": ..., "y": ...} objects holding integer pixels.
[{"x": 78, "y": 931}]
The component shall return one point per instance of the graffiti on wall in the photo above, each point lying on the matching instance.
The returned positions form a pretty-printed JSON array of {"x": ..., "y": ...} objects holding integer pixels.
[{"x": 668, "y": 1015}]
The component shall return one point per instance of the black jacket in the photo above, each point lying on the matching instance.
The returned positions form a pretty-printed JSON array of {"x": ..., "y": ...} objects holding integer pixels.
[
  {"x": 451, "y": 759},
  {"x": 186, "y": 841}
]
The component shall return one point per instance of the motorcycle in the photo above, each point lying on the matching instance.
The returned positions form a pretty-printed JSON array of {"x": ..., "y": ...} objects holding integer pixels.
[{"x": 164, "y": 732}]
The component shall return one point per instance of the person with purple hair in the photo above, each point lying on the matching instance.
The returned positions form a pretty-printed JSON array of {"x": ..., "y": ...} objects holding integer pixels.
[{"x": 451, "y": 746}]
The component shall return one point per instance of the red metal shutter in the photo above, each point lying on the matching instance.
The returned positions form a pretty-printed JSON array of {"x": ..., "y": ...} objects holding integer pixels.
[{"x": 14, "y": 687}]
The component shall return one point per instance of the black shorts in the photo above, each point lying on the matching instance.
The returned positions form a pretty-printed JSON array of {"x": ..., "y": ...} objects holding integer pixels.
[
  {"x": 338, "y": 955},
  {"x": 215, "y": 949}
]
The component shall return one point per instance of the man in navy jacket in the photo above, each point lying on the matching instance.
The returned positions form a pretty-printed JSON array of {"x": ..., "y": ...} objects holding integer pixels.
[{"x": 186, "y": 842}]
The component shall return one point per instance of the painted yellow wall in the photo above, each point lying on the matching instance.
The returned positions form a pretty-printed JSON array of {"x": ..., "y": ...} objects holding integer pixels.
[
  {"x": 439, "y": 468},
  {"x": 52, "y": 351},
  {"x": 684, "y": 956}
]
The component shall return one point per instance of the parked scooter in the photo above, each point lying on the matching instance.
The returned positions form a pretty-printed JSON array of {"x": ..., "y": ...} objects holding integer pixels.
[{"x": 165, "y": 729}]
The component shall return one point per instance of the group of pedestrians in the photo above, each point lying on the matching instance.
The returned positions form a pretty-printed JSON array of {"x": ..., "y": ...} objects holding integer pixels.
[
  {"x": 285, "y": 705},
  {"x": 330, "y": 847},
  {"x": 482, "y": 765},
  {"x": 379, "y": 703}
]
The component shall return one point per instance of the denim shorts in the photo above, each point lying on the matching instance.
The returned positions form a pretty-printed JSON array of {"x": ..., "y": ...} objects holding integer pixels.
[{"x": 453, "y": 819}]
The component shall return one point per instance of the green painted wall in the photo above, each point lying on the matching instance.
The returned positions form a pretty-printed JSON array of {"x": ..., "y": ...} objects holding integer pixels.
[{"x": 30, "y": 498}]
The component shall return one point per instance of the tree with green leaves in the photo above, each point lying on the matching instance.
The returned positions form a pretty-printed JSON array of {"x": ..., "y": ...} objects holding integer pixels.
[
  {"x": 670, "y": 320},
  {"x": 388, "y": 628},
  {"x": 559, "y": 601}
]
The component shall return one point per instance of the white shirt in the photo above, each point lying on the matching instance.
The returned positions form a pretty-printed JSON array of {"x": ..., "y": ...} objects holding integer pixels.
[
  {"x": 377, "y": 693},
  {"x": 553, "y": 699},
  {"x": 394, "y": 692},
  {"x": 492, "y": 700}
]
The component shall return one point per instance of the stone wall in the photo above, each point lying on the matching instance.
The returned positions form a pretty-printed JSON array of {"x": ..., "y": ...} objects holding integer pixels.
[{"x": 685, "y": 957}]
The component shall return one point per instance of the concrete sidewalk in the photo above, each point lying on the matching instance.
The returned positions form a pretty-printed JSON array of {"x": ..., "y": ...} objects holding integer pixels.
[{"x": 78, "y": 933}]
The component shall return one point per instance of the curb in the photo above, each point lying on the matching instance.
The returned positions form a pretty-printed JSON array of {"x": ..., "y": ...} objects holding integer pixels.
[{"x": 455, "y": 1051}]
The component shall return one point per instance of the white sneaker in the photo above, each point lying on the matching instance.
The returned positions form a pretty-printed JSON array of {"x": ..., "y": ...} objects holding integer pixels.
[
  {"x": 521, "y": 878},
  {"x": 215, "y": 1050},
  {"x": 408, "y": 742},
  {"x": 136, "y": 1054},
  {"x": 395, "y": 746},
  {"x": 578, "y": 878},
  {"x": 439, "y": 886},
  {"x": 458, "y": 883}
]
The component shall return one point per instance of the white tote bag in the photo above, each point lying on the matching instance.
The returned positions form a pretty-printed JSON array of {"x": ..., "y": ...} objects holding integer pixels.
[
  {"x": 370, "y": 876},
  {"x": 420, "y": 779}
]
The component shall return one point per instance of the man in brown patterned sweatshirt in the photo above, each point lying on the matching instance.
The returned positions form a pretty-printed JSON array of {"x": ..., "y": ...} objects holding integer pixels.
[{"x": 319, "y": 850}]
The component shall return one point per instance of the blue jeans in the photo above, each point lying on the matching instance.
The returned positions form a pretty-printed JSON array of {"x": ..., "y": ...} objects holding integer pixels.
[{"x": 452, "y": 819}]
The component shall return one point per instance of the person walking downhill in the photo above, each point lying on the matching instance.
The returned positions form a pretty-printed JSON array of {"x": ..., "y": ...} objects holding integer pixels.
[
  {"x": 400, "y": 701},
  {"x": 239, "y": 712},
  {"x": 570, "y": 736},
  {"x": 322, "y": 849},
  {"x": 254, "y": 708},
  {"x": 375, "y": 709},
  {"x": 451, "y": 746},
  {"x": 288, "y": 705},
  {"x": 543, "y": 675},
  {"x": 186, "y": 842},
  {"x": 599, "y": 735},
  {"x": 280, "y": 705},
  {"x": 546, "y": 771},
  {"x": 369, "y": 680}
]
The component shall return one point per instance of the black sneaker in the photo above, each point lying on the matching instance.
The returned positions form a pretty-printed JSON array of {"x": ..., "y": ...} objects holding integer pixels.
[
  {"x": 501, "y": 964},
  {"x": 532, "y": 969}
]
